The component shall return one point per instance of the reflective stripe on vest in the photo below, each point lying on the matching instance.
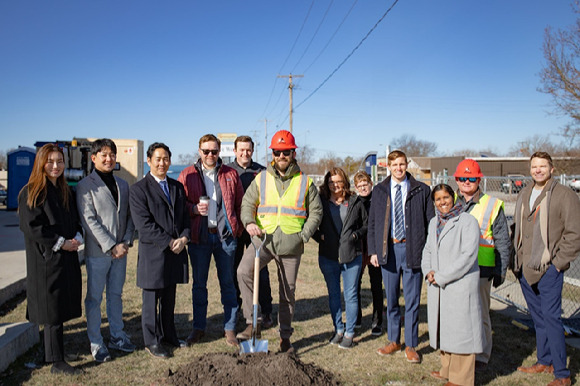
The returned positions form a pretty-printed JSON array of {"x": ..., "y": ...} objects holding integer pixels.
[
  {"x": 287, "y": 211},
  {"x": 486, "y": 211}
]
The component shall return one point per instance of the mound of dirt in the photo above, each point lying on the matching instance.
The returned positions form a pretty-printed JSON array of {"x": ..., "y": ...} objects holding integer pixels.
[{"x": 251, "y": 369}]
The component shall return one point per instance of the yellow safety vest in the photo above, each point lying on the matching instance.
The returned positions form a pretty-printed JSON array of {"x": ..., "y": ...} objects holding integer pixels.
[
  {"x": 486, "y": 211},
  {"x": 287, "y": 211}
]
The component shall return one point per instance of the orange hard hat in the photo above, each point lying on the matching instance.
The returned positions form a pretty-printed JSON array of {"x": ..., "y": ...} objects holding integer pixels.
[
  {"x": 283, "y": 140},
  {"x": 468, "y": 168}
]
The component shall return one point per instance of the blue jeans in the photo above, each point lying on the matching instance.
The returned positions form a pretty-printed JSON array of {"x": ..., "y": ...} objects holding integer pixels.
[
  {"x": 544, "y": 301},
  {"x": 110, "y": 273},
  {"x": 332, "y": 271},
  {"x": 200, "y": 257}
]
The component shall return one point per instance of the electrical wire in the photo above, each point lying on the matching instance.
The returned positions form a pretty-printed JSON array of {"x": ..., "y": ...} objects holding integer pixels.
[
  {"x": 286, "y": 60},
  {"x": 347, "y": 57},
  {"x": 313, "y": 36},
  {"x": 331, "y": 37}
]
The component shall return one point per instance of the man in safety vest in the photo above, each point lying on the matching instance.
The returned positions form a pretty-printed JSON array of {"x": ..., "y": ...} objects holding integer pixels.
[
  {"x": 494, "y": 242},
  {"x": 283, "y": 203}
]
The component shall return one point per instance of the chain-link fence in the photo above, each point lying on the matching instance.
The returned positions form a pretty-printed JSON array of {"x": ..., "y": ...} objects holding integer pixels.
[{"x": 507, "y": 189}]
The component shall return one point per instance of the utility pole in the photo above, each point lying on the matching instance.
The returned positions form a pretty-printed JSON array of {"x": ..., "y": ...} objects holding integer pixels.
[
  {"x": 265, "y": 142},
  {"x": 290, "y": 87}
]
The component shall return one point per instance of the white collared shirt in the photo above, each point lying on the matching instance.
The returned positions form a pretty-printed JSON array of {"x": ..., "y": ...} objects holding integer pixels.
[
  {"x": 404, "y": 190},
  {"x": 158, "y": 180},
  {"x": 209, "y": 176}
]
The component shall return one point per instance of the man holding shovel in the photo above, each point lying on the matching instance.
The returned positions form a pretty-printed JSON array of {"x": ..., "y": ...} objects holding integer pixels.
[{"x": 283, "y": 203}]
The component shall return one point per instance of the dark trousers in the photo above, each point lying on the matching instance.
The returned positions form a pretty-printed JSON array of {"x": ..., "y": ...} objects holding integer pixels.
[
  {"x": 159, "y": 324},
  {"x": 53, "y": 343},
  {"x": 412, "y": 279},
  {"x": 265, "y": 291},
  {"x": 544, "y": 301},
  {"x": 376, "y": 278}
]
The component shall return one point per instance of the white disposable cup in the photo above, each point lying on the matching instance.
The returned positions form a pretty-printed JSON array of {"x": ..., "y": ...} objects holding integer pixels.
[{"x": 204, "y": 200}]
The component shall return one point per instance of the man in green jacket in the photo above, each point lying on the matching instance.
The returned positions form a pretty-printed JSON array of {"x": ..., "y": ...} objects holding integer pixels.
[{"x": 283, "y": 203}]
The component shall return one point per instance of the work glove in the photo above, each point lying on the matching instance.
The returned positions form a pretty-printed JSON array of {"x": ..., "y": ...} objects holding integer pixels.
[{"x": 498, "y": 280}]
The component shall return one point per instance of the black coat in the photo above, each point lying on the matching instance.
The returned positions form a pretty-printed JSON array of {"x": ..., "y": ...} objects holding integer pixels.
[
  {"x": 347, "y": 245},
  {"x": 419, "y": 210},
  {"x": 53, "y": 279},
  {"x": 157, "y": 223}
]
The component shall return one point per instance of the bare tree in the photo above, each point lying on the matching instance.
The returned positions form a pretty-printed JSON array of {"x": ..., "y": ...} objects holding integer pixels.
[
  {"x": 560, "y": 76},
  {"x": 487, "y": 152},
  {"x": 305, "y": 156},
  {"x": 3, "y": 160},
  {"x": 530, "y": 145},
  {"x": 414, "y": 147}
]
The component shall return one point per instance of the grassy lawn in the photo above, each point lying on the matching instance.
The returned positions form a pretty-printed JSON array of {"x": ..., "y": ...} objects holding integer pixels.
[{"x": 313, "y": 327}]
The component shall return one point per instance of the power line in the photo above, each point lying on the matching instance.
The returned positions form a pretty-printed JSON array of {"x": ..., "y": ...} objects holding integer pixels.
[
  {"x": 297, "y": 37},
  {"x": 349, "y": 55},
  {"x": 331, "y": 37},
  {"x": 314, "y": 35}
]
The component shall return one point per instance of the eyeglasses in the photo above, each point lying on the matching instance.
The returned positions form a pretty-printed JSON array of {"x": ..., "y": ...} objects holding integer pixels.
[
  {"x": 285, "y": 152},
  {"x": 330, "y": 182},
  {"x": 206, "y": 151},
  {"x": 470, "y": 179}
]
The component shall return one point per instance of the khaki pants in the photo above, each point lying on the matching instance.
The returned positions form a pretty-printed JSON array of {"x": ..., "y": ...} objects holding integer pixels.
[
  {"x": 458, "y": 368},
  {"x": 287, "y": 273},
  {"x": 485, "y": 297}
]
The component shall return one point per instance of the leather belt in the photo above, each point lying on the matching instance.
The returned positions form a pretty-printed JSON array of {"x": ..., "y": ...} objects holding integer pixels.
[
  {"x": 395, "y": 241},
  {"x": 213, "y": 231}
]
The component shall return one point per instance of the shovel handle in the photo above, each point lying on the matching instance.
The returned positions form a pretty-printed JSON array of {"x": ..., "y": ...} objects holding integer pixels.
[
  {"x": 257, "y": 269},
  {"x": 256, "y": 279}
]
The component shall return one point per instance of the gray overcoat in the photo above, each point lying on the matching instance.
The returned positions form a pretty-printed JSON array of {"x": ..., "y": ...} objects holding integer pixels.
[{"x": 453, "y": 304}]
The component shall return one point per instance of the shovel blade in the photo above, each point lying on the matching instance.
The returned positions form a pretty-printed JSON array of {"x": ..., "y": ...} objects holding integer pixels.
[{"x": 251, "y": 346}]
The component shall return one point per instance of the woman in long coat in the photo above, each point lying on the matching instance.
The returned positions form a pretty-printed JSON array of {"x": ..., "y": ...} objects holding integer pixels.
[
  {"x": 49, "y": 221},
  {"x": 453, "y": 304}
]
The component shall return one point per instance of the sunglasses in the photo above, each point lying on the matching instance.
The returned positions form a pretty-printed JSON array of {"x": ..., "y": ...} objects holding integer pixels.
[
  {"x": 470, "y": 179},
  {"x": 285, "y": 152},
  {"x": 206, "y": 151}
]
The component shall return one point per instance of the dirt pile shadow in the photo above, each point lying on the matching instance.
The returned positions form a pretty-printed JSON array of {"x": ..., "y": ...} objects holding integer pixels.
[{"x": 251, "y": 369}]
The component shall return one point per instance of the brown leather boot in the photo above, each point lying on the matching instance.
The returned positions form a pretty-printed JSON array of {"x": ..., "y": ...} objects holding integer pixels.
[
  {"x": 247, "y": 333},
  {"x": 286, "y": 346}
]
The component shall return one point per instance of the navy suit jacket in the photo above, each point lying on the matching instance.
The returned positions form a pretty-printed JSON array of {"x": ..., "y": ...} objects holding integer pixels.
[{"x": 157, "y": 222}]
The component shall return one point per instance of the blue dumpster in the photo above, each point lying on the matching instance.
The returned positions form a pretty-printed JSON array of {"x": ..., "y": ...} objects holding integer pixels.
[{"x": 20, "y": 163}]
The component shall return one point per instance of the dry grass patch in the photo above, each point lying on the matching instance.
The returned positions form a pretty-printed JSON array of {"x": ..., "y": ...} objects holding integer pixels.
[{"x": 313, "y": 327}]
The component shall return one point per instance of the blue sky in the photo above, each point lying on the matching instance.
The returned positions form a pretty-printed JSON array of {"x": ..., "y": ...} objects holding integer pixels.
[{"x": 459, "y": 73}]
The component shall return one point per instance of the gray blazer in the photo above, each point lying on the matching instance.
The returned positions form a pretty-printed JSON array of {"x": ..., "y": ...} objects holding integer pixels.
[{"x": 105, "y": 224}]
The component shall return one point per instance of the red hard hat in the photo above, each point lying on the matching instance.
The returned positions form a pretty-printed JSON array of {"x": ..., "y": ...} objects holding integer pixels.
[
  {"x": 468, "y": 168},
  {"x": 283, "y": 140}
]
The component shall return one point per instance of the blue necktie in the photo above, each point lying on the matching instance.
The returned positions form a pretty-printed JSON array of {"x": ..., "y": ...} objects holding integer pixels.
[
  {"x": 399, "y": 214},
  {"x": 165, "y": 190}
]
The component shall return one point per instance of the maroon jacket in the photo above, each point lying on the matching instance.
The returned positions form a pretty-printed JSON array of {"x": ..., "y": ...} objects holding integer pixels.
[{"x": 229, "y": 191}]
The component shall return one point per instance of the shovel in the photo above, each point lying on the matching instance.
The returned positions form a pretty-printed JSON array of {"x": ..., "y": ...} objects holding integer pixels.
[{"x": 253, "y": 344}]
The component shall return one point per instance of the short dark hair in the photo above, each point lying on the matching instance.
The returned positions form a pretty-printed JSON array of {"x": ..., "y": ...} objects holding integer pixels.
[
  {"x": 243, "y": 138},
  {"x": 157, "y": 145},
  {"x": 210, "y": 138},
  {"x": 99, "y": 144},
  {"x": 544, "y": 155},
  {"x": 445, "y": 187}
]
